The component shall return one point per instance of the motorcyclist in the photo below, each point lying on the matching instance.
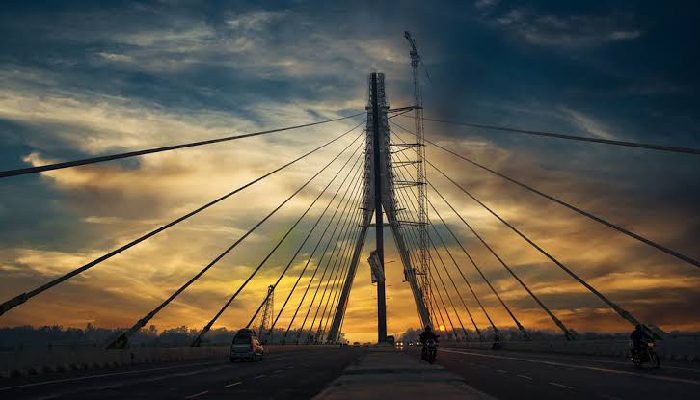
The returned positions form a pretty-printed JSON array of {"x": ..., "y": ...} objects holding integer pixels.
[
  {"x": 640, "y": 336},
  {"x": 424, "y": 337},
  {"x": 427, "y": 334},
  {"x": 496, "y": 342}
]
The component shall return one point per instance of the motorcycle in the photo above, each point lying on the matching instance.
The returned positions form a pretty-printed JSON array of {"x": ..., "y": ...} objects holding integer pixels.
[
  {"x": 429, "y": 351},
  {"x": 645, "y": 353}
]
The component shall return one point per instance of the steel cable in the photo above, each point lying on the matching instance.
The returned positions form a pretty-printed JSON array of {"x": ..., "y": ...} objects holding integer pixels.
[
  {"x": 306, "y": 265},
  {"x": 673, "y": 149},
  {"x": 688, "y": 259},
  {"x": 93, "y": 160},
  {"x": 206, "y": 328},
  {"x": 343, "y": 222},
  {"x": 23, "y": 297}
]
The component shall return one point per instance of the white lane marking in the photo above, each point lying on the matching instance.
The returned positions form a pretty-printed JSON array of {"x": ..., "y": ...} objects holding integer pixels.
[
  {"x": 524, "y": 377},
  {"x": 588, "y": 367},
  {"x": 192, "y": 396},
  {"x": 83, "y": 378},
  {"x": 234, "y": 384},
  {"x": 502, "y": 371},
  {"x": 278, "y": 371},
  {"x": 559, "y": 385},
  {"x": 164, "y": 377},
  {"x": 260, "y": 376}
]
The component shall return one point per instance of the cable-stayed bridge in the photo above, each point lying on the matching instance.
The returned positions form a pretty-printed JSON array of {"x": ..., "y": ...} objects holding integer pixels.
[{"x": 376, "y": 176}]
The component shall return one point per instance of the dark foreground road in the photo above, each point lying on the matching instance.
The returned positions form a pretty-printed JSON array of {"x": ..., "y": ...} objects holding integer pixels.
[
  {"x": 511, "y": 375},
  {"x": 285, "y": 375}
]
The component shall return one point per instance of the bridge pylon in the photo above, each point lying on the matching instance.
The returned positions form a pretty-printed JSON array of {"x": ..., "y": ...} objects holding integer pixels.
[{"x": 379, "y": 199}]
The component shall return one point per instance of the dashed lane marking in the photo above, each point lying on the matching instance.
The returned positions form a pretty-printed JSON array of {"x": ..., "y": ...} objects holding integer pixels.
[
  {"x": 192, "y": 396},
  {"x": 524, "y": 377},
  {"x": 502, "y": 371},
  {"x": 260, "y": 376},
  {"x": 234, "y": 384},
  {"x": 559, "y": 385}
]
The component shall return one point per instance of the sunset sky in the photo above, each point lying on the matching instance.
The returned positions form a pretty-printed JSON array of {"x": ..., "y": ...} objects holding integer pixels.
[{"x": 79, "y": 79}]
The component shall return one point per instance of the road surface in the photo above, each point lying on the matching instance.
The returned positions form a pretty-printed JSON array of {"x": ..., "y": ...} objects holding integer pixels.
[
  {"x": 297, "y": 374},
  {"x": 301, "y": 374},
  {"x": 520, "y": 375}
]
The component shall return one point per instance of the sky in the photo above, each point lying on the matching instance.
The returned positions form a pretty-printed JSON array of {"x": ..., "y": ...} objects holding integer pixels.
[{"x": 79, "y": 79}]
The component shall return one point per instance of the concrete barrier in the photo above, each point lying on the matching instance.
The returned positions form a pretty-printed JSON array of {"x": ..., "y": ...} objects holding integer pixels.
[
  {"x": 681, "y": 348},
  {"x": 35, "y": 361}
]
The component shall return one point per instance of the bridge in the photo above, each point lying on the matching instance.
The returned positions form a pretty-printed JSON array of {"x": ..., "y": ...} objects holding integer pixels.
[{"x": 372, "y": 175}]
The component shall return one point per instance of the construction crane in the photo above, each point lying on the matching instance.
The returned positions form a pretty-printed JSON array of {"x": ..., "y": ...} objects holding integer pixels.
[
  {"x": 267, "y": 314},
  {"x": 423, "y": 269}
]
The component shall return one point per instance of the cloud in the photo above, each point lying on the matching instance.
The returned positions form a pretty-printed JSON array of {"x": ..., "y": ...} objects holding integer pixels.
[
  {"x": 482, "y": 4},
  {"x": 565, "y": 30},
  {"x": 624, "y": 35},
  {"x": 588, "y": 125},
  {"x": 253, "y": 43},
  {"x": 254, "y": 21},
  {"x": 87, "y": 121},
  {"x": 115, "y": 57}
]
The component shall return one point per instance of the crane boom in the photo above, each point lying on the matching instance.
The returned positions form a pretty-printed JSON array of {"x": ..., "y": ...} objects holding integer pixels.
[{"x": 415, "y": 57}]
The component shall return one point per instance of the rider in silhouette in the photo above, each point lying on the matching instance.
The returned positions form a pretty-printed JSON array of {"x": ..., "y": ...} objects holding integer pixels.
[
  {"x": 427, "y": 334},
  {"x": 640, "y": 337}
]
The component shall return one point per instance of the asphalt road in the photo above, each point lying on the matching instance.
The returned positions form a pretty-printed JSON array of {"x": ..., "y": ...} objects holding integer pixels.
[
  {"x": 297, "y": 374},
  {"x": 300, "y": 374},
  {"x": 518, "y": 375}
]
